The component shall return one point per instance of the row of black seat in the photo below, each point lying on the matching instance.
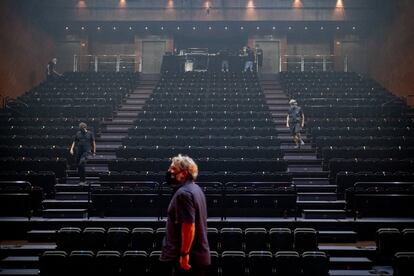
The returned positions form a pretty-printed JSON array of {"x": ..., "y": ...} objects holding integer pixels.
[
  {"x": 255, "y": 263},
  {"x": 224, "y": 239},
  {"x": 327, "y": 153},
  {"x": 204, "y": 176},
  {"x": 381, "y": 199},
  {"x": 198, "y": 141},
  {"x": 363, "y": 131},
  {"x": 37, "y": 140},
  {"x": 206, "y": 122},
  {"x": 360, "y": 141},
  {"x": 197, "y": 152},
  {"x": 169, "y": 130},
  {"x": 389, "y": 241},
  {"x": 257, "y": 165}
]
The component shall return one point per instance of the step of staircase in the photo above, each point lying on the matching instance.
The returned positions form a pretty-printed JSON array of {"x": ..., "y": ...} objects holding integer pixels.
[
  {"x": 312, "y": 181},
  {"x": 20, "y": 262},
  {"x": 349, "y": 250},
  {"x": 337, "y": 237},
  {"x": 19, "y": 272},
  {"x": 368, "y": 272},
  {"x": 316, "y": 196},
  {"x": 65, "y": 213},
  {"x": 321, "y": 204},
  {"x": 350, "y": 263},
  {"x": 323, "y": 214},
  {"x": 75, "y": 187},
  {"x": 30, "y": 249},
  {"x": 130, "y": 107},
  {"x": 41, "y": 235},
  {"x": 122, "y": 113},
  {"x": 64, "y": 204},
  {"x": 71, "y": 196}
]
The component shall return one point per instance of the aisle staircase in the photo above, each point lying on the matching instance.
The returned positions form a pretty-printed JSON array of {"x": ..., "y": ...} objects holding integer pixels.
[{"x": 316, "y": 196}]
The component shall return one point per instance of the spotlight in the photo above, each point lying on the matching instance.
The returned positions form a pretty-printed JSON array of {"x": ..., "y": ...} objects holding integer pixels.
[
  {"x": 98, "y": 28},
  {"x": 162, "y": 28},
  {"x": 306, "y": 27},
  {"x": 114, "y": 28},
  {"x": 321, "y": 28},
  {"x": 273, "y": 28},
  {"x": 178, "y": 28},
  {"x": 146, "y": 28},
  {"x": 353, "y": 28},
  {"x": 290, "y": 28},
  {"x": 66, "y": 28},
  {"x": 257, "y": 28},
  {"x": 241, "y": 28},
  {"x": 337, "y": 28},
  {"x": 82, "y": 28},
  {"x": 194, "y": 28},
  {"x": 226, "y": 28},
  {"x": 130, "y": 28},
  {"x": 209, "y": 27}
]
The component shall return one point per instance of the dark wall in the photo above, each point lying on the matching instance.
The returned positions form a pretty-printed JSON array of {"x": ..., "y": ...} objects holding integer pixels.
[
  {"x": 24, "y": 50},
  {"x": 391, "y": 51}
]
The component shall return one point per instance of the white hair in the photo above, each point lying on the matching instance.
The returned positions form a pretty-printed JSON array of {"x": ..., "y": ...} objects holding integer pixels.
[{"x": 186, "y": 163}]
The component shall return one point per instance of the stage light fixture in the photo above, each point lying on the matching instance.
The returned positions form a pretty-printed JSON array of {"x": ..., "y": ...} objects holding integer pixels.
[
  {"x": 98, "y": 28},
  {"x": 226, "y": 28},
  {"x": 209, "y": 27},
  {"x": 114, "y": 28},
  {"x": 321, "y": 28},
  {"x": 337, "y": 28},
  {"x": 273, "y": 28},
  {"x": 130, "y": 28},
  {"x": 82, "y": 28},
  {"x": 290, "y": 28},
  {"x": 162, "y": 28},
  {"x": 241, "y": 28},
  {"x": 178, "y": 28},
  {"x": 66, "y": 28},
  {"x": 146, "y": 28},
  {"x": 194, "y": 28},
  {"x": 353, "y": 28},
  {"x": 257, "y": 28},
  {"x": 306, "y": 27}
]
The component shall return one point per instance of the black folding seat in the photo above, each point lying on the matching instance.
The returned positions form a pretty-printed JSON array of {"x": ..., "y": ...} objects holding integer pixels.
[
  {"x": 118, "y": 238},
  {"x": 407, "y": 240},
  {"x": 81, "y": 263},
  {"x": 93, "y": 238},
  {"x": 159, "y": 238},
  {"x": 134, "y": 263},
  {"x": 156, "y": 267},
  {"x": 257, "y": 239},
  {"x": 213, "y": 268},
  {"x": 260, "y": 263},
  {"x": 233, "y": 263},
  {"x": 403, "y": 264},
  {"x": 231, "y": 239},
  {"x": 107, "y": 263},
  {"x": 281, "y": 239},
  {"x": 53, "y": 263},
  {"x": 305, "y": 239},
  {"x": 142, "y": 238},
  {"x": 315, "y": 263},
  {"x": 287, "y": 263},
  {"x": 388, "y": 241},
  {"x": 213, "y": 238},
  {"x": 69, "y": 238}
]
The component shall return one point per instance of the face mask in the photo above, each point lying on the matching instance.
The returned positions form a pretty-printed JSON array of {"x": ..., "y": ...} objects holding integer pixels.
[
  {"x": 83, "y": 130},
  {"x": 170, "y": 179}
]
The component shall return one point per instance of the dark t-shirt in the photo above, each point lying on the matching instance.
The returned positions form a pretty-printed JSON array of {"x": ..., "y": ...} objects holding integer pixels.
[
  {"x": 250, "y": 55},
  {"x": 295, "y": 114},
  {"x": 188, "y": 205},
  {"x": 83, "y": 141}
]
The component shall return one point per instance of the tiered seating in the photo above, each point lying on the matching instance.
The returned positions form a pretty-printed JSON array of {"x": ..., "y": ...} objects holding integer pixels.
[
  {"x": 356, "y": 124},
  {"x": 252, "y": 199},
  {"x": 392, "y": 199},
  {"x": 220, "y": 119},
  {"x": 38, "y": 134},
  {"x": 19, "y": 198}
]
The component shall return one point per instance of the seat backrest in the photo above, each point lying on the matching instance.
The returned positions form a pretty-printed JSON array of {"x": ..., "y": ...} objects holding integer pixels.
[
  {"x": 53, "y": 263},
  {"x": 281, "y": 239},
  {"x": 315, "y": 263},
  {"x": 134, "y": 263},
  {"x": 233, "y": 263}
]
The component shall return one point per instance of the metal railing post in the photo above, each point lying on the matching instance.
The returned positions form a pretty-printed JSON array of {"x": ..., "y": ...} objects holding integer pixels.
[
  {"x": 96, "y": 63},
  {"x": 302, "y": 63},
  {"x": 118, "y": 61},
  {"x": 324, "y": 63},
  {"x": 280, "y": 63},
  {"x": 346, "y": 64},
  {"x": 75, "y": 65}
]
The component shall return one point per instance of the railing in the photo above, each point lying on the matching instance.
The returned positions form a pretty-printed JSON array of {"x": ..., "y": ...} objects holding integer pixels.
[
  {"x": 108, "y": 63},
  {"x": 302, "y": 63}
]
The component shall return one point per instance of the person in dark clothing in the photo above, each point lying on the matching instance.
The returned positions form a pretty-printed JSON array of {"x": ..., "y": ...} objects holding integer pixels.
[
  {"x": 296, "y": 121},
  {"x": 51, "y": 72},
  {"x": 224, "y": 55},
  {"x": 250, "y": 60},
  {"x": 84, "y": 141},
  {"x": 185, "y": 249},
  {"x": 259, "y": 57}
]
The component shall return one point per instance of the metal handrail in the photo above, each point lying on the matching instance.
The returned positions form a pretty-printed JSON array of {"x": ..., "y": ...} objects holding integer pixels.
[{"x": 95, "y": 60}]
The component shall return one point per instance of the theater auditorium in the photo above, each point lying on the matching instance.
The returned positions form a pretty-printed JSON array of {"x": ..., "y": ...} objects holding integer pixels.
[{"x": 238, "y": 137}]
